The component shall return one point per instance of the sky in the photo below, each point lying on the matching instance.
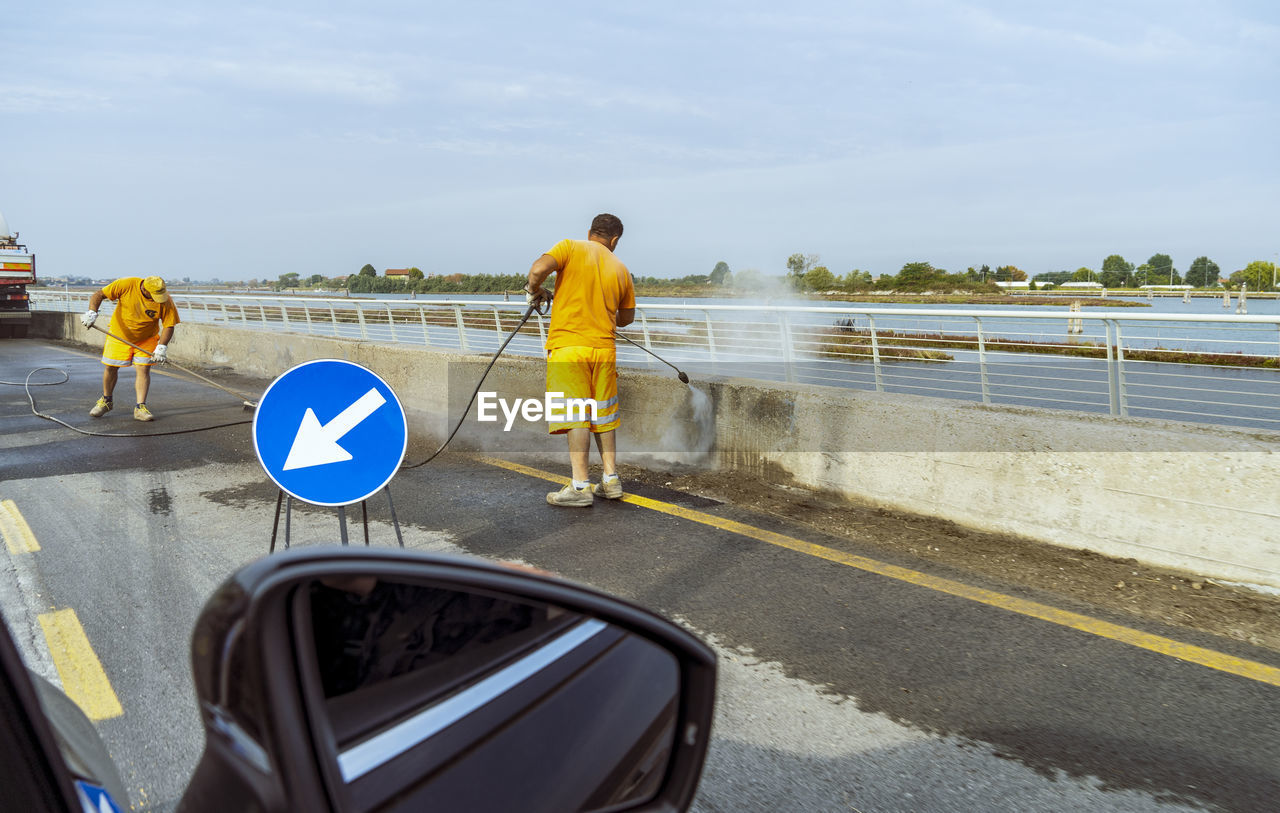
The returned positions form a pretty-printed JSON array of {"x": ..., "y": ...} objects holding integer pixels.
[{"x": 239, "y": 140}]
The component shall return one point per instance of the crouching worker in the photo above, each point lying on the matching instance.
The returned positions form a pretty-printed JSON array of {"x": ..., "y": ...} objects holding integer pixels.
[
  {"x": 594, "y": 295},
  {"x": 144, "y": 315}
]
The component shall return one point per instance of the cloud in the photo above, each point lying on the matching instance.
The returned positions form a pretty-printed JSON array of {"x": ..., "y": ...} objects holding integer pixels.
[
  {"x": 37, "y": 99},
  {"x": 314, "y": 77}
]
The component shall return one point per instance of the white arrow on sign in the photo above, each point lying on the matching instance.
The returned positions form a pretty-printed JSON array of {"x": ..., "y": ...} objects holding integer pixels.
[{"x": 316, "y": 445}]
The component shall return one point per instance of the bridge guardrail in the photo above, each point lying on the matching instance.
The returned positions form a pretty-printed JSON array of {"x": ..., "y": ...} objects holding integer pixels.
[{"x": 1218, "y": 369}]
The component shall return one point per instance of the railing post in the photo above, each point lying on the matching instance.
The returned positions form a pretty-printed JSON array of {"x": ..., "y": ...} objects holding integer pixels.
[
  {"x": 1113, "y": 386},
  {"x": 644, "y": 331},
  {"x": 1115, "y": 382},
  {"x": 462, "y": 328},
  {"x": 875, "y": 352},
  {"x": 982, "y": 362},
  {"x": 364, "y": 328},
  {"x": 422, "y": 316},
  {"x": 391, "y": 322},
  {"x": 225, "y": 318},
  {"x": 497, "y": 323},
  {"x": 333, "y": 320},
  {"x": 711, "y": 336},
  {"x": 306, "y": 311},
  {"x": 262, "y": 312},
  {"x": 284, "y": 314},
  {"x": 1121, "y": 394}
]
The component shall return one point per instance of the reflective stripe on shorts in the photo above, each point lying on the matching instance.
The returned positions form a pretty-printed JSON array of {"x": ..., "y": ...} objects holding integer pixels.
[
  {"x": 585, "y": 372},
  {"x": 116, "y": 353}
]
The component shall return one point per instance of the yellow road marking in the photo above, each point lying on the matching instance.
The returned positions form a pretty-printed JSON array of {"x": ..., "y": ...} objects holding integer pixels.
[
  {"x": 17, "y": 534},
  {"x": 83, "y": 678},
  {"x": 1212, "y": 659}
]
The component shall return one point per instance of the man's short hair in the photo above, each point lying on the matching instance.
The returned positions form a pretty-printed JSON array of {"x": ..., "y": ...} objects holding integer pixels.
[{"x": 607, "y": 226}]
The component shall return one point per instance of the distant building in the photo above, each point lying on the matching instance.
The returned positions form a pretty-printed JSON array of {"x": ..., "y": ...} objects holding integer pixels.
[
  {"x": 1081, "y": 285},
  {"x": 397, "y": 272},
  {"x": 1015, "y": 284}
]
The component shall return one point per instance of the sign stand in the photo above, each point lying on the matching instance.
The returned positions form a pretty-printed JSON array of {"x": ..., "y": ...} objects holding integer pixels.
[
  {"x": 329, "y": 432},
  {"x": 287, "y": 501}
]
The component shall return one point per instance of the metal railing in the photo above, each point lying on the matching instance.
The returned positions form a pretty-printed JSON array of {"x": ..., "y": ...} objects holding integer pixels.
[{"x": 1218, "y": 369}]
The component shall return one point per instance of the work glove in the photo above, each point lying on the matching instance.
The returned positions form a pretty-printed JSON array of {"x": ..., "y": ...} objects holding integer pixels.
[
  {"x": 160, "y": 356},
  {"x": 539, "y": 300},
  {"x": 88, "y": 318}
]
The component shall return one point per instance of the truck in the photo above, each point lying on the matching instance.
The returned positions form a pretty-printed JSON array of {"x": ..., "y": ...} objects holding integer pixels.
[{"x": 17, "y": 271}]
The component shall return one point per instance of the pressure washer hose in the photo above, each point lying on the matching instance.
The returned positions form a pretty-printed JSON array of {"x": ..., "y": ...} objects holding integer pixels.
[
  {"x": 28, "y": 384},
  {"x": 474, "y": 393},
  {"x": 65, "y": 377}
]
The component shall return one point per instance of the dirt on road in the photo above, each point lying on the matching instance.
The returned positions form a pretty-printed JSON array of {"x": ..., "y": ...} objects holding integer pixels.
[{"x": 1121, "y": 586}]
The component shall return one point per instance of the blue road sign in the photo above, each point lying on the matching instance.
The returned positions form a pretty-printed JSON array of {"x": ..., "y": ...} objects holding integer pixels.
[
  {"x": 330, "y": 432},
  {"x": 95, "y": 799}
]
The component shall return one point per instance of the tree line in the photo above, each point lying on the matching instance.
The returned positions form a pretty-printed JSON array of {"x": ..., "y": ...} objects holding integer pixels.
[
  {"x": 1117, "y": 272},
  {"x": 367, "y": 281},
  {"x": 806, "y": 274}
]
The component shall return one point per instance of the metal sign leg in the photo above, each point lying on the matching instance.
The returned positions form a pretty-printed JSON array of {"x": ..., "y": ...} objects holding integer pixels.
[
  {"x": 394, "y": 522},
  {"x": 286, "y": 501},
  {"x": 275, "y": 524}
]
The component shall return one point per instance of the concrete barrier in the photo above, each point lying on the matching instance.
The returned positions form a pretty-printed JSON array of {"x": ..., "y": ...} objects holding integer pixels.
[{"x": 1186, "y": 496}]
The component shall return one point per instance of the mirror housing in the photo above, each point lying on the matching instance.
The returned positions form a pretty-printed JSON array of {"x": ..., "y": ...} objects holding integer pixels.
[{"x": 597, "y": 703}]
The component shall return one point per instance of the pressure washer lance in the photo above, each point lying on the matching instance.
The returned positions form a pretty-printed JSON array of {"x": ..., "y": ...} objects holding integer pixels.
[
  {"x": 247, "y": 404},
  {"x": 684, "y": 379}
]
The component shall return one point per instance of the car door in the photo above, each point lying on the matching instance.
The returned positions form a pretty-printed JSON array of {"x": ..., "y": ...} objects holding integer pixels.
[{"x": 42, "y": 736}]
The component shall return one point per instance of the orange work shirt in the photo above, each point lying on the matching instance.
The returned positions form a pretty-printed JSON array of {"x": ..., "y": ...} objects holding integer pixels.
[
  {"x": 592, "y": 285},
  {"x": 135, "y": 317}
]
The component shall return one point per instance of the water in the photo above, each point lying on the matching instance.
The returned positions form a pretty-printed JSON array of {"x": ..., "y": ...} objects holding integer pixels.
[
  {"x": 1258, "y": 305},
  {"x": 691, "y": 432},
  {"x": 1259, "y": 339},
  {"x": 703, "y": 420}
]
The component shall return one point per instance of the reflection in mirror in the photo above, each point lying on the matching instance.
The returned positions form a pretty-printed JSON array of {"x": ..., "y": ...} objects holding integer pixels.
[
  {"x": 432, "y": 697},
  {"x": 368, "y": 631}
]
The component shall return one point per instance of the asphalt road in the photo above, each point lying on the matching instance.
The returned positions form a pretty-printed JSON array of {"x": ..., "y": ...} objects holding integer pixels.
[{"x": 841, "y": 689}]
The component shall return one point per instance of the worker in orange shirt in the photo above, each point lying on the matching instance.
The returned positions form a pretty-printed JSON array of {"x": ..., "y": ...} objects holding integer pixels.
[
  {"x": 144, "y": 315},
  {"x": 594, "y": 295}
]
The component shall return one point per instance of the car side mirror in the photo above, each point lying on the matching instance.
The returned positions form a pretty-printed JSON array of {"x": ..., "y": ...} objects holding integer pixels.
[{"x": 357, "y": 679}]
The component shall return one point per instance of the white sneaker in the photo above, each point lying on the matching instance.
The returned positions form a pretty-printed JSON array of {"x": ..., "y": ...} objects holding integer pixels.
[
  {"x": 571, "y": 497},
  {"x": 610, "y": 490}
]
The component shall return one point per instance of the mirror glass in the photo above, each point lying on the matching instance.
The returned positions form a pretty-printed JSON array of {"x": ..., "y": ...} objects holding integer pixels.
[{"x": 426, "y": 696}]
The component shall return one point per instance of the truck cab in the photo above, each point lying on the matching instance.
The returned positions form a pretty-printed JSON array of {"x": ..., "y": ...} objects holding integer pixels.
[{"x": 17, "y": 271}]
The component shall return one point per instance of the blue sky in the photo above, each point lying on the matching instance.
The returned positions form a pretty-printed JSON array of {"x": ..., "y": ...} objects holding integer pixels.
[{"x": 248, "y": 140}]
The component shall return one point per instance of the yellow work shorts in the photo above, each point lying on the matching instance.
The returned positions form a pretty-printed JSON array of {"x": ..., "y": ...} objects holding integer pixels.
[
  {"x": 116, "y": 353},
  {"x": 584, "y": 373}
]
